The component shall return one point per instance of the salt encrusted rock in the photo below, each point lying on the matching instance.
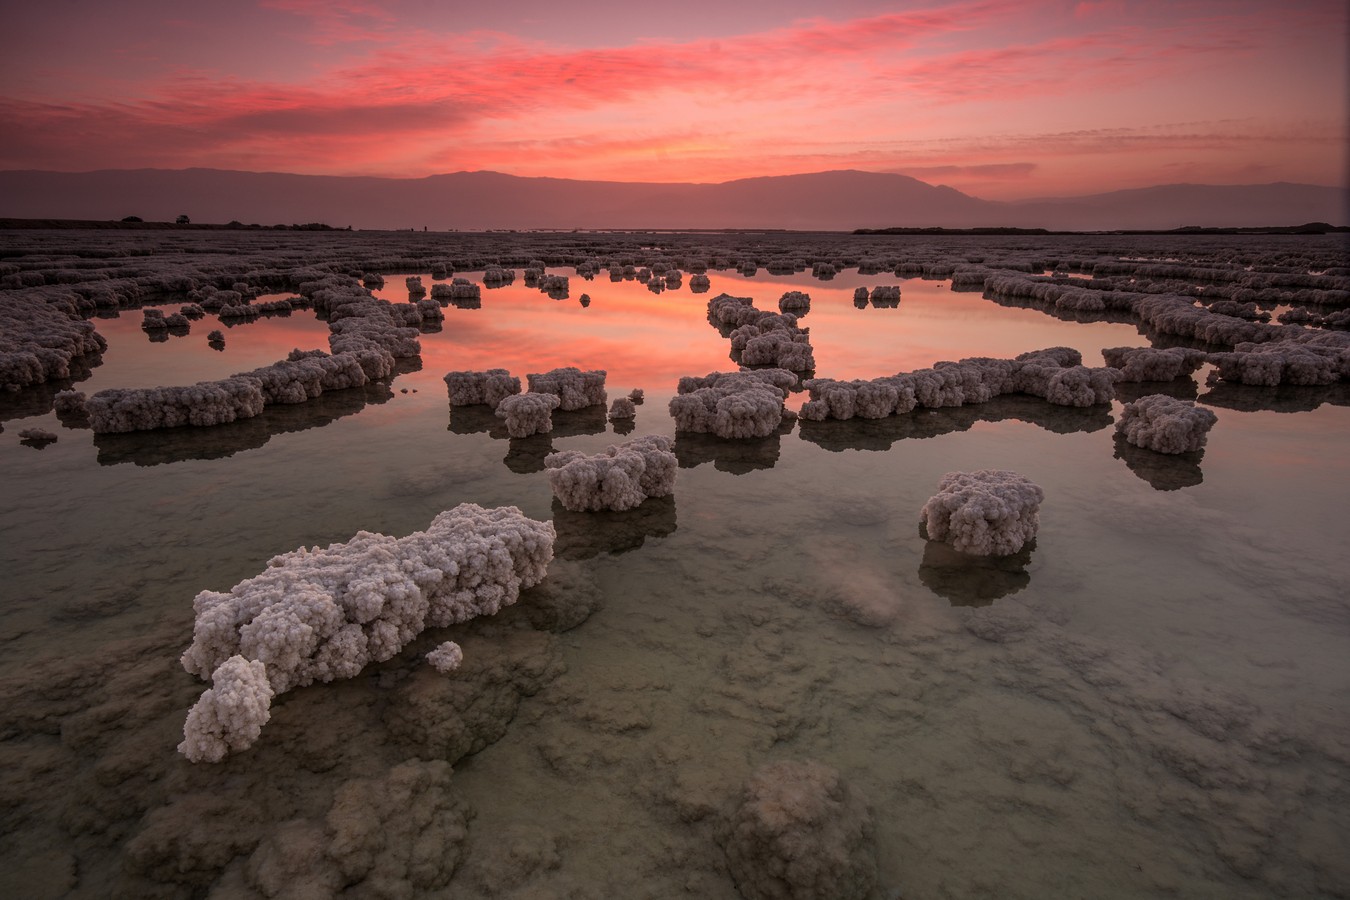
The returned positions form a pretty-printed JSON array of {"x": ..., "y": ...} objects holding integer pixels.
[
  {"x": 620, "y": 478},
  {"x": 987, "y": 513},
  {"x": 742, "y": 404},
  {"x": 231, "y": 714},
  {"x": 322, "y": 614},
  {"x": 575, "y": 388},
  {"x": 528, "y": 413},
  {"x": 800, "y": 833},
  {"x": 622, "y": 408},
  {"x": 446, "y": 658},
  {"x": 469, "y": 388},
  {"x": 1165, "y": 424},
  {"x": 1152, "y": 364}
]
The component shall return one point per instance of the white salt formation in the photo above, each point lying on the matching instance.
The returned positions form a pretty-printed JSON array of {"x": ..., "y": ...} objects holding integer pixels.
[
  {"x": 795, "y": 302},
  {"x": 70, "y": 404},
  {"x": 800, "y": 833},
  {"x": 463, "y": 289},
  {"x": 1165, "y": 424},
  {"x": 620, "y": 478},
  {"x": 761, "y": 338},
  {"x": 1320, "y": 359},
  {"x": 1151, "y": 364},
  {"x": 622, "y": 408},
  {"x": 576, "y": 389},
  {"x": 987, "y": 513},
  {"x": 528, "y": 413},
  {"x": 469, "y": 388},
  {"x": 41, "y": 332},
  {"x": 446, "y": 658},
  {"x": 699, "y": 283},
  {"x": 232, "y": 712},
  {"x": 745, "y": 404},
  {"x": 636, "y": 395},
  {"x": 322, "y": 614}
]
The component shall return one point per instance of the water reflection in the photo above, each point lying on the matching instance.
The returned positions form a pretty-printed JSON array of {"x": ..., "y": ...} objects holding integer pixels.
[
  {"x": 738, "y": 457},
  {"x": 1164, "y": 471},
  {"x": 1285, "y": 398},
  {"x": 526, "y": 455},
  {"x": 169, "y": 445},
  {"x": 968, "y": 580},
  {"x": 1183, "y": 388},
  {"x": 583, "y": 535},
  {"x": 38, "y": 399},
  {"x": 881, "y": 434}
]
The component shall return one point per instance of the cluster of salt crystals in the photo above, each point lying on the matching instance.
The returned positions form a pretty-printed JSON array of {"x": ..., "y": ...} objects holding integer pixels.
[
  {"x": 528, "y": 413},
  {"x": 620, "y": 478},
  {"x": 622, "y": 408},
  {"x": 322, "y": 614},
  {"x": 446, "y": 657},
  {"x": 41, "y": 331},
  {"x": 734, "y": 405},
  {"x": 575, "y": 388},
  {"x": 1055, "y": 374},
  {"x": 762, "y": 338},
  {"x": 1316, "y": 359},
  {"x": 987, "y": 513},
  {"x": 489, "y": 386},
  {"x": 1152, "y": 364},
  {"x": 1165, "y": 424}
]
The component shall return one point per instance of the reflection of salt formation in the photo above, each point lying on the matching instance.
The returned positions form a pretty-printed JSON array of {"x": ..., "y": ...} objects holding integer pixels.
[
  {"x": 761, "y": 338},
  {"x": 741, "y": 404},
  {"x": 41, "y": 333},
  {"x": 620, "y": 478},
  {"x": 1164, "y": 471},
  {"x": 1183, "y": 388},
  {"x": 469, "y": 388},
  {"x": 37, "y": 437},
  {"x": 1152, "y": 364},
  {"x": 989, "y": 512},
  {"x": 881, "y": 434},
  {"x": 795, "y": 302},
  {"x": 584, "y": 535},
  {"x": 1164, "y": 424},
  {"x": 800, "y": 833},
  {"x": 1056, "y": 375},
  {"x": 575, "y": 388},
  {"x": 693, "y": 449},
  {"x": 528, "y": 413},
  {"x": 1285, "y": 398},
  {"x": 968, "y": 579},
  {"x": 177, "y": 444},
  {"x": 322, "y": 614}
]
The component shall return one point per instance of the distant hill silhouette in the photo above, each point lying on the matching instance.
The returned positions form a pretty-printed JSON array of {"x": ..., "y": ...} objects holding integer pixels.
[{"x": 833, "y": 201}]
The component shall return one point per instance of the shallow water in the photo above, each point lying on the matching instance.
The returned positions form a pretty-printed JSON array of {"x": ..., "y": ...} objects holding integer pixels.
[{"x": 1152, "y": 702}]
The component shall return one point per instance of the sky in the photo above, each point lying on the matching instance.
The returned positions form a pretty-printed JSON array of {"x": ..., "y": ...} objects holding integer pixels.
[{"x": 1001, "y": 100}]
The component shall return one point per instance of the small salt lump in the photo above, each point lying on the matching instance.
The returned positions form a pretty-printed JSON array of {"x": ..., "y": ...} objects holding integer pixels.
[
  {"x": 988, "y": 513},
  {"x": 446, "y": 658},
  {"x": 1165, "y": 424}
]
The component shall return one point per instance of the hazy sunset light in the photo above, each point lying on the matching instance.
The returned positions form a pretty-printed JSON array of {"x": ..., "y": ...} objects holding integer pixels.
[{"x": 1001, "y": 100}]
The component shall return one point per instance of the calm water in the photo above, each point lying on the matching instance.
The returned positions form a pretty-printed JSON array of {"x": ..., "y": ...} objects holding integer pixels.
[{"x": 1151, "y": 702}]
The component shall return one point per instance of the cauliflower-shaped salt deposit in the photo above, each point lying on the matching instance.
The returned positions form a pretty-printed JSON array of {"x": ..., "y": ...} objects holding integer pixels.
[
  {"x": 620, "y": 478},
  {"x": 622, "y": 408},
  {"x": 528, "y": 413},
  {"x": 1165, "y": 424},
  {"x": 988, "y": 513},
  {"x": 231, "y": 714},
  {"x": 446, "y": 658},
  {"x": 576, "y": 389},
  {"x": 472, "y": 388}
]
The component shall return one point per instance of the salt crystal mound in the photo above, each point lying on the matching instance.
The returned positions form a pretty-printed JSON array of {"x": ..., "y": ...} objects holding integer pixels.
[
  {"x": 1165, "y": 424},
  {"x": 622, "y": 408},
  {"x": 796, "y": 302},
  {"x": 1055, "y": 374},
  {"x": 988, "y": 513},
  {"x": 575, "y": 388},
  {"x": 41, "y": 331},
  {"x": 322, "y": 614},
  {"x": 491, "y": 386},
  {"x": 528, "y": 413},
  {"x": 800, "y": 833},
  {"x": 1318, "y": 358},
  {"x": 636, "y": 395},
  {"x": 232, "y": 712},
  {"x": 762, "y": 338},
  {"x": 618, "y": 479},
  {"x": 733, "y": 405},
  {"x": 1152, "y": 364},
  {"x": 446, "y": 658}
]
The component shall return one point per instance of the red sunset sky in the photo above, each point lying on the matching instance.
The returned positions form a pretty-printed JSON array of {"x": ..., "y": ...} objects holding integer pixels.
[{"x": 1002, "y": 100}]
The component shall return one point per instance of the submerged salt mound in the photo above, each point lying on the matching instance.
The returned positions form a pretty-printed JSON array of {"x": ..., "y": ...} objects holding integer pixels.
[
  {"x": 446, "y": 657},
  {"x": 322, "y": 614},
  {"x": 528, "y": 413},
  {"x": 1165, "y": 424},
  {"x": 800, "y": 833},
  {"x": 1153, "y": 364},
  {"x": 988, "y": 513},
  {"x": 232, "y": 712},
  {"x": 734, "y": 405},
  {"x": 576, "y": 389},
  {"x": 618, "y": 479},
  {"x": 470, "y": 388}
]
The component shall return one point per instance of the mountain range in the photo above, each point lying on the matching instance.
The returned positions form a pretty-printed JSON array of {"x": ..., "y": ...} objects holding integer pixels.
[{"x": 826, "y": 201}]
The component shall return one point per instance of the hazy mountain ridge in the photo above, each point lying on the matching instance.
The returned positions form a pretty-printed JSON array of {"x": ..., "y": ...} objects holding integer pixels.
[{"x": 832, "y": 201}]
